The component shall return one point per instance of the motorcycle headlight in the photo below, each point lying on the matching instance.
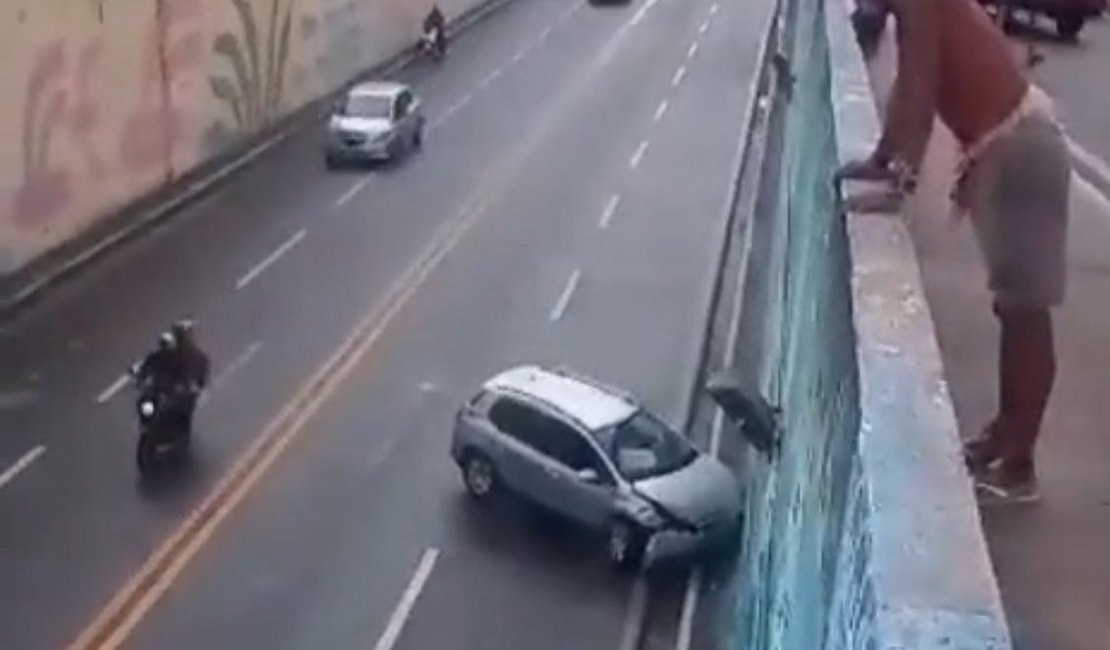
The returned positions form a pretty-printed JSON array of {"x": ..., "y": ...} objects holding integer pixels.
[{"x": 146, "y": 408}]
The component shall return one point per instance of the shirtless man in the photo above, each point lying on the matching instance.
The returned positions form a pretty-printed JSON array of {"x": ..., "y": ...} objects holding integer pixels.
[{"x": 954, "y": 62}]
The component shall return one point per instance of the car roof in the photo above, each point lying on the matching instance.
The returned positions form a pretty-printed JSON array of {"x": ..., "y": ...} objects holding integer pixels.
[
  {"x": 377, "y": 88},
  {"x": 589, "y": 402}
]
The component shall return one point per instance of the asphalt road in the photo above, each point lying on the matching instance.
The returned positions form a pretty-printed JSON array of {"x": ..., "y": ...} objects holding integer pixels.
[{"x": 567, "y": 206}]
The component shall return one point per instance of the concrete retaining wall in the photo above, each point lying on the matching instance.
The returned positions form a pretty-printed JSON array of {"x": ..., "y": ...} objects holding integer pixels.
[
  {"x": 112, "y": 99},
  {"x": 863, "y": 533}
]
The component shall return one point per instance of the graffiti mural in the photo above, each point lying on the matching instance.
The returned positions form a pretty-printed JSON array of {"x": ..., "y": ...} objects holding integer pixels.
[
  {"x": 252, "y": 88},
  {"x": 45, "y": 188},
  {"x": 173, "y": 49}
]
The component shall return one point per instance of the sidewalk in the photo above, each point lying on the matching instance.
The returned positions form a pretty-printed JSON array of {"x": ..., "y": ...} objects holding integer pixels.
[{"x": 1052, "y": 559}]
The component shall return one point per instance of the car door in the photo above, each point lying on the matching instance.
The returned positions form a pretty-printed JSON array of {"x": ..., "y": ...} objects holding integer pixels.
[
  {"x": 567, "y": 453},
  {"x": 521, "y": 465}
]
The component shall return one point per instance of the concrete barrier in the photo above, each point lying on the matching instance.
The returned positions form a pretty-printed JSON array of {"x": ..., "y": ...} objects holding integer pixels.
[
  {"x": 862, "y": 532},
  {"x": 111, "y": 101}
]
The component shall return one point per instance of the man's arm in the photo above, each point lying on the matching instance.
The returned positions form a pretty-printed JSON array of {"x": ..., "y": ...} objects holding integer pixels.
[{"x": 912, "y": 105}]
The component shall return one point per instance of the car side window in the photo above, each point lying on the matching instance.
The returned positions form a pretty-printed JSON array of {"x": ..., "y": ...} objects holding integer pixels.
[
  {"x": 566, "y": 445},
  {"x": 404, "y": 100},
  {"x": 518, "y": 421}
]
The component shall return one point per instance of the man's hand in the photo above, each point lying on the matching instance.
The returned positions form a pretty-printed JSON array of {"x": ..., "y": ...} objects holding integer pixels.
[{"x": 868, "y": 169}]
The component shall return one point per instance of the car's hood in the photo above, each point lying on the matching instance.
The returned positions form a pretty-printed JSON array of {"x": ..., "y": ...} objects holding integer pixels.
[
  {"x": 366, "y": 125},
  {"x": 702, "y": 492}
]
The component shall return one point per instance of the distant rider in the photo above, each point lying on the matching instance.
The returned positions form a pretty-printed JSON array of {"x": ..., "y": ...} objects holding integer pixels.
[{"x": 435, "y": 25}]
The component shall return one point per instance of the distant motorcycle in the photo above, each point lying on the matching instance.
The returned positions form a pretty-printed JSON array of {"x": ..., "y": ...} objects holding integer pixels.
[
  {"x": 165, "y": 431},
  {"x": 433, "y": 44}
]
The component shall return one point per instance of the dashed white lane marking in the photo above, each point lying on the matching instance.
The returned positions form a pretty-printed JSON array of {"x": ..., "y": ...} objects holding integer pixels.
[
  {"x": 714, "y": 9},
  {"x": 638, "y": 156},
  {"x": 492, "y": 77},
  {"x": 352, "y": 192},
  {"x": 231, "y": 369},
  {"x": 23, "y": 463},
  {"x": 519, "y": 55},
  {"x": 704, "y": 27},
  {"x": 270, "y": 259},
  {"x": 678, "y": 75},
  {"x": 692, "y": 51},
  {"x": 561, "y": 305},
  {"x": 634, "y": 615},
  {"x": 545, "y": 33},
  {"x": 408, "y": 599},
  {"x": 609, "y": 211},
  {"x": 112, "y": 389},
  {"x": 660, "y": 111}
]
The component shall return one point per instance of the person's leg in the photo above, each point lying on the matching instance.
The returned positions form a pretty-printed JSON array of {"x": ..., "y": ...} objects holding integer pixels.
[{"x": 1021, "y": 223}]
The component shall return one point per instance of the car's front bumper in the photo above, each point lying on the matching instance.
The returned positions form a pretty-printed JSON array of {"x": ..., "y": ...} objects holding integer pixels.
[
  {"x": 340, "y": 149},
  {"x": 667, "y": 544}
]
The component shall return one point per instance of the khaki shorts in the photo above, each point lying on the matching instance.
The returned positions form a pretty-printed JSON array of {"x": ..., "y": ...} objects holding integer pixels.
[{"x": 1017, "y": 193}]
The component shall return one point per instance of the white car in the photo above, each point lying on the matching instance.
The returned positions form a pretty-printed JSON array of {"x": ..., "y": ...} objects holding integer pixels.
[
  {"x": 374, "y": 121},
  {"x": 592, "y": 453}
]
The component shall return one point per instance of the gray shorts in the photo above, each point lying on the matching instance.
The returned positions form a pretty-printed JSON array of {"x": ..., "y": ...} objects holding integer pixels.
[{"x": 1018, "y": 198}]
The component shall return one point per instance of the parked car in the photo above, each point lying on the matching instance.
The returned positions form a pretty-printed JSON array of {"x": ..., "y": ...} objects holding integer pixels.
[
  {"x": 374, "y": 121},
  {"x": 1069, "y": 15},
  {"x": 591, "y": 453}
]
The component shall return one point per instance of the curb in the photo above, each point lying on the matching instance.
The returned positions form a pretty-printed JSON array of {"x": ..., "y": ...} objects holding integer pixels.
[{"x": 126, "y": 222}]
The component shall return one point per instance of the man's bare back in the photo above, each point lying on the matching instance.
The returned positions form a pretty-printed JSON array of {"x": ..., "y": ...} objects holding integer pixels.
[{"x": 979, "y": 83}]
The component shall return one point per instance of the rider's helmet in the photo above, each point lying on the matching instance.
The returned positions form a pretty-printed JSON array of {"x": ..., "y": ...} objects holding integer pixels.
[
  {"x": 167, "y": 341},
  {"x": 182, "y": 330}
]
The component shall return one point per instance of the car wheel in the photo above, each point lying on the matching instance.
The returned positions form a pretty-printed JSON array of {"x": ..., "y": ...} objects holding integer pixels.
[
  {"x": 626, "y": 544},
  {"x": 418, "y": 138},
  {"x": 1068, "y": 27},
  {"x": 479, "y": 476}
]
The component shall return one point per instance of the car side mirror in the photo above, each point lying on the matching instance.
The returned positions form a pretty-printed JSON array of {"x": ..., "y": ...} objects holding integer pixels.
[{"x": 588, "y": 475}]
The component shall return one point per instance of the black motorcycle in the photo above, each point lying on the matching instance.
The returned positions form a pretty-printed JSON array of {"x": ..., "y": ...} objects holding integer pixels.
[{"x": 165, "y": 431}]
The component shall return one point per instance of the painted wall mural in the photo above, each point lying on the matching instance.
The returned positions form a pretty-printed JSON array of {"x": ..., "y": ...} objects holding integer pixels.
[{"x": 110, "y": 99}]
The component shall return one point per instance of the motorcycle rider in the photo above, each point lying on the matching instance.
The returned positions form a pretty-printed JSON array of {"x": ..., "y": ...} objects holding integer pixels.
[
  {"x": 194, "y": 364},
  {"x": 435, "y": 26}
]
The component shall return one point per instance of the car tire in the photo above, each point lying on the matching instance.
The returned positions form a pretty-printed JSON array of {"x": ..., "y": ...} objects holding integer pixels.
[
  {"x": 625, "y": 544},
  {"x": 418, "y": 138},
  {"x": 1068, "y": 27},
  {"x": 331, "y": 162},
  {"x": 479, "y": 476}
]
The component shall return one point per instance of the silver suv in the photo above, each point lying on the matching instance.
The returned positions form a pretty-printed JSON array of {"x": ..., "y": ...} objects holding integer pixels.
[{"x": 592, "y": 453}]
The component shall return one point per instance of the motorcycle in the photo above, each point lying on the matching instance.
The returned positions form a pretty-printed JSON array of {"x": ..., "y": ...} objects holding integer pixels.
[
  {"x": 165, "y": 434},
  {"x": 433, "y": 44}
]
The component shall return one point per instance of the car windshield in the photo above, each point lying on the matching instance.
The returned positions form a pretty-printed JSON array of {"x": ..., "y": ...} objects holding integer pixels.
[
  {"x": 642, "y": 446},
  {"x": 369, "y": 106}
]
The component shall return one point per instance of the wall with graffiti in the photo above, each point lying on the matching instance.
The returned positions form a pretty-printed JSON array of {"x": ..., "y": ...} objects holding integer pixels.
[{"x": 110, "y": 99}]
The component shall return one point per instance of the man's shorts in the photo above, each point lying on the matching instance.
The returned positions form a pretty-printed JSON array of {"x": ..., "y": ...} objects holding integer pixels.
[{"x": 1018, "y": 198}]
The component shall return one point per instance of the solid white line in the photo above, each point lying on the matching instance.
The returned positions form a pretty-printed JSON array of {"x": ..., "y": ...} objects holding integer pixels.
[
  {"x": 21, "y": 465},
  {"x": 237, "y": 364},
  {"x": 704, "y": 27},
  {"x": 561, "y": 305},
  {"x": 692, "y": 51},
  {"x": 678, "y": 75},
  {"x": 115, "y": 387},
  {"x": 1097, "y": 165},
  {"x": 638, "y": 156},
  {"x": 662, "y": 110},
  {"x": 350, "y": 194},
  {"x": 610, "y": 209},
  {"x": 634, "y": 616},
  {"x": 259, "y": 268},
  {"x": 642, "y": 12},
  {"x": 408, "y": 599},
  {"x": 689, "y": 608}
]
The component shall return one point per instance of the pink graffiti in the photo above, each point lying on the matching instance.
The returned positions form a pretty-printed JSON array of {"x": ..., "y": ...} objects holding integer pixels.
[
  {"x": 156, "y": 126},
  {"x": 45, "y": 190}
]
